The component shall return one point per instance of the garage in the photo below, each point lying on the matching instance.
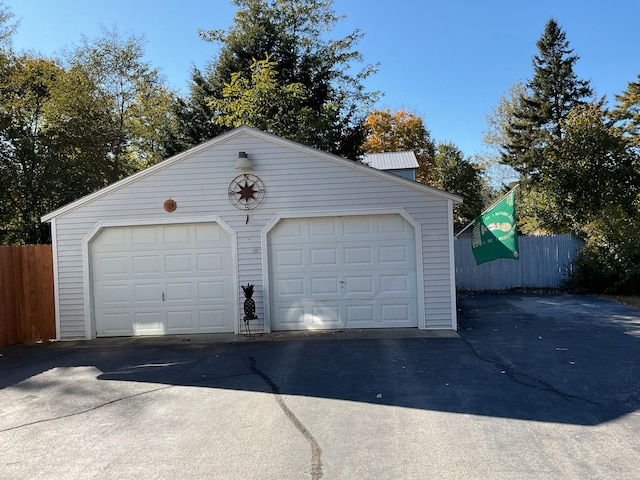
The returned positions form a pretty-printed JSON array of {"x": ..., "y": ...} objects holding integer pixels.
[
  {"x": 343, "y": 272},
  {"x": 326, "y": 242},
  {"x": 162, "y": 279}
]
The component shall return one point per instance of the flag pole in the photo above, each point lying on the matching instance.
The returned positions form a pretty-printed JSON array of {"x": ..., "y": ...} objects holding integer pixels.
[{"x": 487, "y": 209}]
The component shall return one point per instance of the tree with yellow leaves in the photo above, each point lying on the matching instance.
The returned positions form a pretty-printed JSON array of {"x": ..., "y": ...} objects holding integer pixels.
[{"x": 401, "y": 131}]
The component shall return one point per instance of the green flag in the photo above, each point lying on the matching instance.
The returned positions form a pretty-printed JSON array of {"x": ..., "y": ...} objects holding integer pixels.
[{"x": 495, "y": 234}]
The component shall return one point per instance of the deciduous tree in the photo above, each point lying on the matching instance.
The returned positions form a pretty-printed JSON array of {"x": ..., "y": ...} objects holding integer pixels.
[
  {"x": 31, "y": 179},
  {"x": 7, "y": 27},
  {"x": 456, "y": 174},
  {"x": 138, "y": 101},
  {"x": 594, "y": 168},
  {"x": 260, "y": 102},
  {"x": 401, "y": 131},
  {"x": 69, "y": 129}
]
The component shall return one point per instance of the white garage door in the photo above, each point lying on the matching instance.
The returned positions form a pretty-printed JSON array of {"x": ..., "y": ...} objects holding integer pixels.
[
  {"x": 343, "y": 272},
  {"x": 162, "y": 279}
]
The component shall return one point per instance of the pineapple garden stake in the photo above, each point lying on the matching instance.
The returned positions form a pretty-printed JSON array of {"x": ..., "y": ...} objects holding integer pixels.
[{"x": 249, "y": 306}]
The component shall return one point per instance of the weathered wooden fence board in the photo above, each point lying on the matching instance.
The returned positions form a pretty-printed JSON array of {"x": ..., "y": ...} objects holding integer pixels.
[
  {"x": 544, "y": 263},
  {"x": 27, "y": 311}
]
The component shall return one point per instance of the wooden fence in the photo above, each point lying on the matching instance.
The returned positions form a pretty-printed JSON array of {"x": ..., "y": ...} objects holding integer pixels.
[
  {"x": 544, "y": 263},
  {"x": 27, "y": 311}
]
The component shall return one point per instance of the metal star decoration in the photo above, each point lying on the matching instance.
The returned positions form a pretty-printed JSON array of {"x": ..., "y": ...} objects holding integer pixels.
[{"x": 247, "y": 192}]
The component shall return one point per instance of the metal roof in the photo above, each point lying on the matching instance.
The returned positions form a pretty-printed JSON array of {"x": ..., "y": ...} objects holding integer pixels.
[{"x": 391, "y": 160}]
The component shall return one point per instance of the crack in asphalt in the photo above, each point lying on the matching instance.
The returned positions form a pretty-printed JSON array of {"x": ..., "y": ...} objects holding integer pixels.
[
  {"x": 116, "y": 400},
  {"x": 81, "y": 412},
  {"x": 316, "y": 452},
  {"x": 527, "y": 380}
]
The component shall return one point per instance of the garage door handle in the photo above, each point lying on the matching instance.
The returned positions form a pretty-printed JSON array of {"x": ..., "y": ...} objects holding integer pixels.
[{"x": 163, "y": 296}]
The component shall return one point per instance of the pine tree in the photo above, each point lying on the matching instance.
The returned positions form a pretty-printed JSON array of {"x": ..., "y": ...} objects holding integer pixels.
[
  {"x": 194, "y": 116},
  {"x": 627, "y": 111},
  {"x": 294, "y": 36},
  {"x": 551, "y": 94}
]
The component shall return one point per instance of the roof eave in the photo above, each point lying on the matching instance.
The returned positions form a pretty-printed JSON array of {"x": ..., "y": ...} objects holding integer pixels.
[
  {"x": 141, "y": 174},
  {"x": 230, "y": 134}
]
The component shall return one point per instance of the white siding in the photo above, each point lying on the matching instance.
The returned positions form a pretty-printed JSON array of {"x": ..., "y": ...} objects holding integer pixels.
[{"x": 295, "y": 180}]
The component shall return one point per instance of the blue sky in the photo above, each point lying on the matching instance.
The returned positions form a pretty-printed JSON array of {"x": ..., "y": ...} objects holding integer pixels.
[{"x": 449, "y": 61}]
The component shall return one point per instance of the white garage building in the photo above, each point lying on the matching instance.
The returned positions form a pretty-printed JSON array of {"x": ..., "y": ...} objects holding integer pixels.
[{"x": 329, "y": 244}]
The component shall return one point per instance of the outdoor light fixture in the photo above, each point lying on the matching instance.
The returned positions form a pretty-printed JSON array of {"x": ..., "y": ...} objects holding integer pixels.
[{"x": 243, "y": 162}]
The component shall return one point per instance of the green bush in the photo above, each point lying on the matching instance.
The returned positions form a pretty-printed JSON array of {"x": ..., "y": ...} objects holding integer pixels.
[{"x": 610, "y": 261}]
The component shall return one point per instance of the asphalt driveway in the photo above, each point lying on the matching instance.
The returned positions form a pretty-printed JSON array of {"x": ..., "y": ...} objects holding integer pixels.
[{"x": 533, "y": 387}]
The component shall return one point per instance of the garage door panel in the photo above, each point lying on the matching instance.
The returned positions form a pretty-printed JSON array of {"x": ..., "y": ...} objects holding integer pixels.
[
  {"x": 323, "y": 256},
  {"x": 359, "y": 313},
  {"x": 321, "y": 228},
  {"x": 400, "y": 314},
  {"x": 119, "y": 323},
  {"x": 395, "y": 255},
  {"x": 211, "y": 263},
  {"x": 113, "y": 294},
  {"x": 148, "y": 323},
  {"x": 111, "y": 238},
  {"x": 146, "y": 293},
  {"x": 359, "y": 285},
  {"x": 291, "y": 231},
  {"x": 321, "y": 286},
  {"x": 143, "y": 237},
  {"x": 177, "y": 263},
  {"x": 289, "y": 257},
  {"x": 289, "y": 286},
  {"x": 154, "y": 280},
  {"x": 396, "y": 283},
  {"x": 145, "y": 264},
  {"x": 214, "y": 319},
  {"x": 358, "y": 228},
  {"x": 213, "y": 291},
  {"x": 176, "y": 235},
  {"x": 178, "y": 292},
  {"x": 309, "y": 315},
  {"x": 325, "y": 315},
  {"x": 212, "y": 234},
  {"x": 112, "y": 266},
  {"x": 340, "y": 272},
  {"x": 381, "y": 313},
  {"x": 180, "y": 321},
  {"x": 290, "y": 316},
  {"x": 391, "y": 225},
  {"x": 358, "y": 256}
]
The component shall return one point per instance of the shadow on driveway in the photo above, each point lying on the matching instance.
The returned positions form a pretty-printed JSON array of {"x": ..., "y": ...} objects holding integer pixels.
[{"x": 548, "y": 358}]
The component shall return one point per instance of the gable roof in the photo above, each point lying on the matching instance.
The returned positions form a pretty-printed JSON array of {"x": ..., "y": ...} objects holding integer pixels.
[
  {"x": 256, "y": 133},
  {"x": 391, "y": 160}
]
